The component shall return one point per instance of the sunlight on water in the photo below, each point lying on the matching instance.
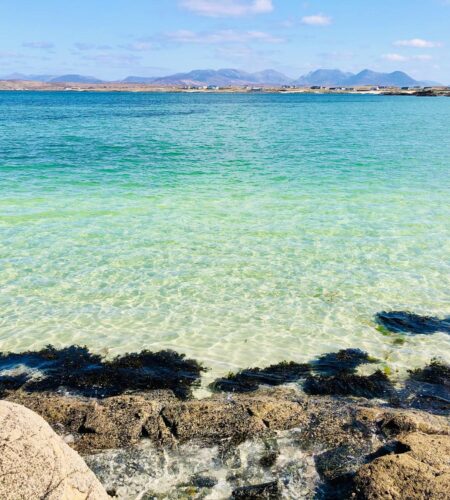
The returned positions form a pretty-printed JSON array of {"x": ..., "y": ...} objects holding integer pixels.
[{"x": 239, "y": 229}]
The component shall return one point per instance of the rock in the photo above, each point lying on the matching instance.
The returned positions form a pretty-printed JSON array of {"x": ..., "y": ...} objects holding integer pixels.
[
  {"x": 428, "y": 388},
  {"x": 406, "y": 322},
  {"x": 77, "y": 370},
  {"x": 391, "y": 422},
  {"x": 35, "y": 463},
  {"x": 108, "y": 423},
  {"x": 422, "y": 470},
  {"x": 258, "y": 492}
]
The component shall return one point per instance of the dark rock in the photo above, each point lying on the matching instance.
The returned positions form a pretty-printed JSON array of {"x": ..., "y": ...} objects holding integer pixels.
[
  {"x": 249, "y": 380},
  {"x": 199, "y": 481},
  {"x": 258, "y": 492},
  {"x": 341, "y": 461},
  {"x": 76, "y": 369},
  {"x": 345, "y": 360},
  {"x": 376, "y": 385},
  {"x": 428, "y": 388},
  {"x": 269, "y": 459},
  {"x": 406, "y": 322}
]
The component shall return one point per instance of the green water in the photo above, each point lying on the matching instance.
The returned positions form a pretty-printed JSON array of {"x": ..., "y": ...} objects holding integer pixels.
[{"x": 239, "y": 229}]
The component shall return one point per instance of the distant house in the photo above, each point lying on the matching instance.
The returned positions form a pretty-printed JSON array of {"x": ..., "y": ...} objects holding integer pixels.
[
  {"x": 317, "y": 87},
  {"x": 256, "y": 89},
  {"x": 213, "y": 87}
]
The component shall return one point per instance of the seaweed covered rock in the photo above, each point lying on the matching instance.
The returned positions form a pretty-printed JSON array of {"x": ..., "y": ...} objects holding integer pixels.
[
  {"x": 343, "y": 361},
  {"x": 249, "y": 380},
  {"x": 420, "y": 469},
  {"x": 76, "y": 369},
  {"x": 407, "y": 322},
  {"x": 376, "y": 385},
  {"x": 36, "y": 463},
  {"x": 428, "y": 388},
  {"x": 266, "y": 491}
]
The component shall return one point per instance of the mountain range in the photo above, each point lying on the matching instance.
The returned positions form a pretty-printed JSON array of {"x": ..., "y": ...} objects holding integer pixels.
[{"x": 230, "y": 77}]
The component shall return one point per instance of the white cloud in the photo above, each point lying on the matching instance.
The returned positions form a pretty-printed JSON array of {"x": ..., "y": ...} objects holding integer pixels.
[
  {"x": 401, "y": 58},
  {"x": 418, "y": 43},
  {"x": 221, "y": 36},
  {"x": 317, "y": 20},
  {"x": 228, "y": 8},
  {"x": 395, "y": 57}
]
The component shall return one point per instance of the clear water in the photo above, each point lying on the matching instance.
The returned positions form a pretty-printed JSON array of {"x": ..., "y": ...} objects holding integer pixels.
[{"x": 239, "y": 229}]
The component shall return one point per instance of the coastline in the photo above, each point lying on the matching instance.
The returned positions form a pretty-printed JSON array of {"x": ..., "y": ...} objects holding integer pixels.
[
  {"x": 317, "y": 430},
  {"x": 25, "y": 85}
]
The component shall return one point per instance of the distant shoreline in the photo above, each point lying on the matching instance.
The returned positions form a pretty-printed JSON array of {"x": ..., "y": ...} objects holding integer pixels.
[{"x": 22, "y": 85}]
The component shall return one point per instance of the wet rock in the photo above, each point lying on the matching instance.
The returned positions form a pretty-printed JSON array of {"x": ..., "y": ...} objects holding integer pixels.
[
  {"x": 269, "y": 458},
  {"x": 249, "y": 380},
  {"x": 200, "y": 481},
  {"x": 258, "y": 492},
  {"x": 345, "y": 360},
  {"x": 428, "y": 388},
  {"x": 340, "y": 462},
  {"x": 376, "y": 385},
  {"x": 36, "y": 463},
  {"x": 420, "y": 470},
  {"x": 76, "y": 369},
  {"x": 407, "y": 322}
]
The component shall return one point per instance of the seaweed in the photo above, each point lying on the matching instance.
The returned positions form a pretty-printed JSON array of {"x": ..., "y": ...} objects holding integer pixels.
[
  {"x": 376, "y": 385},
  {"x": 407, "y": 322},
  {"x": 428, "y": 388},
  {"x": 437, "y": 372},
  {"x": 249, "y": 380},
  {"x": 343, "y": 361},
  {"x": 76, "y": 369},
  {"x": 269, "y": 490}
]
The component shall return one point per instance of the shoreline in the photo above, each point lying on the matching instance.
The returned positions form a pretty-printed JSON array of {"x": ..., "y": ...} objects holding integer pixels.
[
  {"x": 26, "y": 86},
  {"x": 322, "y": 428}
]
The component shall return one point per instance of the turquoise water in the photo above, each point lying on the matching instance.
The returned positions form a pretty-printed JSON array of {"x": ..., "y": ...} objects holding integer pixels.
[{"x": 239, "y": 229}]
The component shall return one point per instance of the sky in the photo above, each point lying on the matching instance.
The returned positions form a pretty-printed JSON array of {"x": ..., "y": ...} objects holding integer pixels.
[{"x": 111, "y": 39}]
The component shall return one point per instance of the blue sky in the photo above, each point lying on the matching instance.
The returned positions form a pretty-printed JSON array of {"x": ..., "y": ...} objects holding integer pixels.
[{"x": 115, "y": 38}]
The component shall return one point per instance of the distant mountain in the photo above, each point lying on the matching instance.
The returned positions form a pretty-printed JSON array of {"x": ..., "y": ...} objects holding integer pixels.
[
  {"x": 324, "y": 77},
  {"x": 327, "y": 77},
  {"x": 234, "y": 77},
  {"x": 75, "y": 79},
  {"x": 396, "y": 79},
  {"x": 271, "y": 77},
  {"x": 224, "y": 77},
  {"x": 21, "y": 76},
  {"x": 139, "y": 79}
]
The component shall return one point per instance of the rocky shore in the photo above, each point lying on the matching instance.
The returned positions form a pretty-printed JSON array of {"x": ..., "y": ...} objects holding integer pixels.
[{"x": 316, "y": 430}]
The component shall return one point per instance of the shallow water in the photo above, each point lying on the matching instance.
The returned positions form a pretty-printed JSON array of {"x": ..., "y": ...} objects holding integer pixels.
[
  {"x": 239, "y": 229},
  {"x": 146, "y": 472}
]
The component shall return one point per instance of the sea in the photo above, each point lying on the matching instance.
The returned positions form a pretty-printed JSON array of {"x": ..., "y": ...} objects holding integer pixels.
[{"x": 238, "y": 229}]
